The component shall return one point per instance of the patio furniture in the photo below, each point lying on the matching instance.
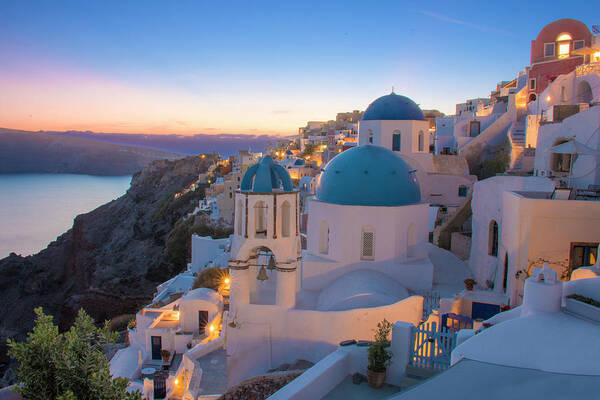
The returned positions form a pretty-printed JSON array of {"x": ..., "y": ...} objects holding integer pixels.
[{"x": 561, "y": 194}]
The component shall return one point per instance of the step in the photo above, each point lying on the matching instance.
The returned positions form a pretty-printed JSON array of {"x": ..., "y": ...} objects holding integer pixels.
[
  {"x": 420, "y": 373},
  {"x": 407, "y": 382}
]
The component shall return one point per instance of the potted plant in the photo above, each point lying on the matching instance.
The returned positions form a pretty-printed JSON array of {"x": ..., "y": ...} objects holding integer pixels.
[
  {"x": 379, "y": 357},
  {"x": 469, "y": 283},
  {"x": 165, "y": 354}
]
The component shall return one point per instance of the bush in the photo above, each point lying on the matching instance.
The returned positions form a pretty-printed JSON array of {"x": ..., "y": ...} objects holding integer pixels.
[
  {"x": 120, "y": 323},
  {"x": 70, "y": 365},
  {"x": 211, "y": 278}
]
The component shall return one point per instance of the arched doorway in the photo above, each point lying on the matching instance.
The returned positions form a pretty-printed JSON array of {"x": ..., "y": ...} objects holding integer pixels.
[
  {"x": 584, "y": 92},
  {"x": 560, "y": 162},
  {"x": 532, "y": 97}
]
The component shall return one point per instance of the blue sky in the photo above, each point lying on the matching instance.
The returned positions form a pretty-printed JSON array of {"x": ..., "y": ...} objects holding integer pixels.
[{"x": 210, "y": 67}]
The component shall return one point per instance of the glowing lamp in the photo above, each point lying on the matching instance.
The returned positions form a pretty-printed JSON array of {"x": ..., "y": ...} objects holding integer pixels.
[
  {"x": 211, "y": 328},
  {"x": 176, "y": 381},
  {"x": 548, "y": 98},
  {"x": 227, "y": 281}
]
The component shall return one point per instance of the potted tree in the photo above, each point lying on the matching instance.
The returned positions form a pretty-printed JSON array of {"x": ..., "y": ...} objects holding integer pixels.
[
  {"x": 379, "y": 356},
  {"x": 165, "y": 354},
  {"x": 469, "y": 283}
]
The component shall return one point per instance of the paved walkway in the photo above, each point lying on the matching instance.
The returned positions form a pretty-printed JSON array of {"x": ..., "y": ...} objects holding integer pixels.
[
  {"x": 347, "y": 390},
  {"x": 214, "y": 373}
]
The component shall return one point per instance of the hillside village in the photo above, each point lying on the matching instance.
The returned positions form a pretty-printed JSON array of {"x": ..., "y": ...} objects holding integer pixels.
[{"x": 469, "y": 242}]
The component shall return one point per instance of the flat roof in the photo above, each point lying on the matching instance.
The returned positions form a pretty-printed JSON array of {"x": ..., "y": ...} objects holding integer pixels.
[{"x": 474, "y": 379}]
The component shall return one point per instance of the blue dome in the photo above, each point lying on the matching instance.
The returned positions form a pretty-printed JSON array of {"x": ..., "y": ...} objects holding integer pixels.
[
  {"x": 265, "y": 176},
  {"x": 368, "y": 175},
  {"x": 393, "y": 107}
]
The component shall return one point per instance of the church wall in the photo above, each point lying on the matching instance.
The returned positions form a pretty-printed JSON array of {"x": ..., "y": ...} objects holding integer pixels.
[{"x": 264, "y": 337}]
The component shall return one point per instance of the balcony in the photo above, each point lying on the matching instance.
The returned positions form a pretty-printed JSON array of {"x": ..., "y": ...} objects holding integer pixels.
[{"x": 587, "y": 69}]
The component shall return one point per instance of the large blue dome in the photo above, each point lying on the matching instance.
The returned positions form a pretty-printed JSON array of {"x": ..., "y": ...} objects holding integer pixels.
[
  {"x": 368, "y": 175},
  {"x": 393, "y": 107}
]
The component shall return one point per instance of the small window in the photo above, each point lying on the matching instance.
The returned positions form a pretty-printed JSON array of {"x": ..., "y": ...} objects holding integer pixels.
[
  {"x": 421, "y": 141},
  {"x": 563, "y": 93},
  {"x": 583, "y": 254},
  {"x": 532, "y": 84},
  {"x": 578, "y": 44},
  {"x": 548, "y": 49},
  {"x": 493, "y": 239},
  {"x": 396, "y": 142},
  {"x": 463, "y": 191},
  {"x": 368, "y": 244},
  {"x": 563, "y": 37},
  {"x": 370, "y": 136}
]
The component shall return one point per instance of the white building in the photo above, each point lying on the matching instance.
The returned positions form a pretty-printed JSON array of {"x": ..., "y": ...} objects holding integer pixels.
[{"x": 367, "y": 256}]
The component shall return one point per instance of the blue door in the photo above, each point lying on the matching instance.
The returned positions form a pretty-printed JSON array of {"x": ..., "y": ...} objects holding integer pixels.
[
  {"x": 396, "y": 142},
  {"x": 484, "y": 310}
]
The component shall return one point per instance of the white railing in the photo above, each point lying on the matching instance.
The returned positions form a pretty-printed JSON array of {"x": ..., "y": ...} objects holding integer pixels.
[{"x": 588, "y": 69}]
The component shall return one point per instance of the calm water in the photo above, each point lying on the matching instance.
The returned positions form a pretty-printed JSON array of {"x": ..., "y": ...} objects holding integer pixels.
[{"x": 36, "y": 208}]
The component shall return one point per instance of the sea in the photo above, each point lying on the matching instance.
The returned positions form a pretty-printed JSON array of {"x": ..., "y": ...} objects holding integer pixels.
[{"x": 37, "y": 208}]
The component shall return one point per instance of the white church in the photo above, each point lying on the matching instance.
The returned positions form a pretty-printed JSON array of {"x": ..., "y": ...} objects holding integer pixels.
[{"x": 367, "y": 255}]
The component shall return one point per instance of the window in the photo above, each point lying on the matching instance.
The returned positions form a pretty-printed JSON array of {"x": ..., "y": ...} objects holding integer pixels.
[
  {"x": 563, "y": 37},
  {"x": 548, "y": 49},
  {"x": 578, "y": 44},
  {"x": 583, "y": 255},
  {"x": 532, "y": 84},
  {"x": 368, "y": 244},
  {"x": 370, "y": 136},
  {"x": 474, "y": 128},
  {"x": 411, "y": 240},
  {"x": 239, "y": 216},
  {"x": 324, "y": 238},
  {"x": 563, "y": 93},
  {"x": 493, "y": 239},
  {"x": 397, "y": 142},
  {"x": 463, "y": 191},
  {"x": 260, "y": 219},
  {"x": 285, "y": 219},
  {"x": 505, "y": 278},
  {"x": 421, "y": 141},
  {"x": 564, "y": 49}
]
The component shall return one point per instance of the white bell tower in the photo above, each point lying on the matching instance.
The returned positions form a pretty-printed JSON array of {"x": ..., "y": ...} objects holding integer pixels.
[{"x": 266, "y": 222}]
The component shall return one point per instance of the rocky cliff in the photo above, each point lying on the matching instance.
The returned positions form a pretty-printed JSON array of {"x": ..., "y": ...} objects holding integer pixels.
[{"x": 112, "y": 258}]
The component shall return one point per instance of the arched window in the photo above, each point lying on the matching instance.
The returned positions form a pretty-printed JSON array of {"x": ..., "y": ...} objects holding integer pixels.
[
  {"x": 396, "y": 141},
  {"x": 421, "y": 141},
  {"x": 240, "y": 217},
  {"x": 370, "y": 136},
  {"x": 411, "y": 240},
  {"x": 324, "y": 238},
  {"x": 285, "y": 219},
  {"x": 493, "y": 239},
  {"x": 564, "y": 45},
  {"x": 367, "y": 245},
  {"x": 260, "y": 219}
]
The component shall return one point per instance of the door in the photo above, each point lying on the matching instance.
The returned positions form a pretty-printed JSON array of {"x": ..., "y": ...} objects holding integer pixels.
[
  {"x": 156, "y": 347},
  {"x": 474, "y": 128},
  {"x": 202, "y": 321},
  {"x": 160, "y": 386}
]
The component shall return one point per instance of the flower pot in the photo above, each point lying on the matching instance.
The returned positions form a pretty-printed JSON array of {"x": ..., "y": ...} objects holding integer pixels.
[
  {"x": 469, "y": 287},
  {"x": 376, "y": 379}
]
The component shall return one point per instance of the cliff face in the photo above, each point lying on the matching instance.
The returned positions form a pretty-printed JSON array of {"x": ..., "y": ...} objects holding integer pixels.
[{"x": 112, "y": 258}]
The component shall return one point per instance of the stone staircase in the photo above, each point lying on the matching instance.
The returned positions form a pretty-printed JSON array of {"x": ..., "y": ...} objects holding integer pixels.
[{"x": 516, "y": 136}]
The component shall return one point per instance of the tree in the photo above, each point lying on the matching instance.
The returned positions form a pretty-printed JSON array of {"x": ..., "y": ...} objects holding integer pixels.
[{"x": 66, "y": 366}]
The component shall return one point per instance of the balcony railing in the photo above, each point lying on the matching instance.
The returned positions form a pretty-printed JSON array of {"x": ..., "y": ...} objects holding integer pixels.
[{"x": 588, "y": 69}]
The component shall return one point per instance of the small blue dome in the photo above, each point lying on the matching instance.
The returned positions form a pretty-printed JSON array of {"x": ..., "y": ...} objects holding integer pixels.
[
  {"x": 265, "y": 176},
  {"x": 393, "y": 107},
  {"x": 368, "y": 175}
]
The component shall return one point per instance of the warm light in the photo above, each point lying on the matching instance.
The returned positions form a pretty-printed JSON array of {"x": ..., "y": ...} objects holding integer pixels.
[
  {"x": 203, "y": 156},
  {"x": 211, "y": 328},
  {"x": 564, "y": 36},
  {"x": 563, "y": 50},
  {"x": 227, "y": 281},
  {"x": 176, "y": 381},
  {"x": 548, "y": 98}
]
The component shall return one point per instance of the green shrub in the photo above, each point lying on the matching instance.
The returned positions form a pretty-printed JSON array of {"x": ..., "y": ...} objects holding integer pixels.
[
  {"x": 119, "y": 323},
  {"x": 379, "y": 357},
  {"x": 211, "y": 278},
  {"x": 583, "y": 299}
]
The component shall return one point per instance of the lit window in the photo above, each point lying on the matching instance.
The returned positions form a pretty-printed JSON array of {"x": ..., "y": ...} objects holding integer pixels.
[
  {"x": 564, "y": 36},
  {"x": 564, "y": 50}
]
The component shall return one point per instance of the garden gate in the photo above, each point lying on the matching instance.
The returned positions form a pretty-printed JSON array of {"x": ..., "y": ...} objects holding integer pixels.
[{"x": 431, "y": 346}]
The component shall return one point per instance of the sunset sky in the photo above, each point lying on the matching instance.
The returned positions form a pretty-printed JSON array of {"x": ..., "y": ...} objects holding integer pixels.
[{"x": 252, "y": 66}]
